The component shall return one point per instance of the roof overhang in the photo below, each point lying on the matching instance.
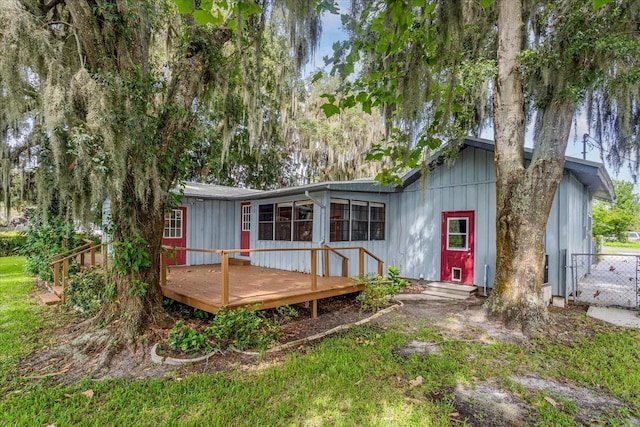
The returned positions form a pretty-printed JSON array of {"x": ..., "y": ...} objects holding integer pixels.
[{"x": 592, "y": 175}]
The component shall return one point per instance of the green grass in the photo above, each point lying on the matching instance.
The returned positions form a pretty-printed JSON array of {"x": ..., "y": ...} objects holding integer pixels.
[
  {"x": 356, "y": 377},
  {"x": 632, "y": 245}
]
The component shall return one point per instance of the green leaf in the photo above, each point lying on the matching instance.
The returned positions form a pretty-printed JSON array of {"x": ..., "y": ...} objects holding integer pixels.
[
  {"x": 248, "y": 8},
  {"x": 206, "y": 5},
  {"x": 184, "y": 6},
  {"x": 487, "y": 3},
  {"x": 597, "y": 4},
  {"x": 317, "y": 76},
  {"x": 330, "y": 109},
  {"x": 204, "y": 17}
]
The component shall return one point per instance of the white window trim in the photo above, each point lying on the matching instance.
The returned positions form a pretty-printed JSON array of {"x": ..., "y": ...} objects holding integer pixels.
[{"x": 466, "y": 248}]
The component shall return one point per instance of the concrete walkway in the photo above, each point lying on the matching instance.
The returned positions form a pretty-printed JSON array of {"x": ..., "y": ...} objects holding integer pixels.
[{"x": 617, "y": 316}]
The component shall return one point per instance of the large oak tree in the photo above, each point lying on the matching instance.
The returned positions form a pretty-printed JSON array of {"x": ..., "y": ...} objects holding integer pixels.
[
  {"x": 443, "y": 69},
  {"x": 114, "y": 90}
]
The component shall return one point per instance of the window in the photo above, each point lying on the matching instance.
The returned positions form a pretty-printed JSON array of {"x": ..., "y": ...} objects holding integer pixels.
[
  {"x": 339, "y": 221},
  {"x": 359, "y": 220},
  {"x": 376, "y": 221},
  {"x": 286, "y": 221},
  {"x": 303, "y": 221},
  {"x": 457, "y": 234},
  {"x": 173, "y": 225},
  {"x": 284, "y": 215},
  {"x": 246, "y": 217},
  {"x": 353, "y": 220},
  {"x": 265, "y": 222}
]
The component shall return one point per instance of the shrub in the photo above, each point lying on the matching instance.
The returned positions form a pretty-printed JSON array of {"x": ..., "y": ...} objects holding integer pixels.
[
  {"x": 244, "y": 328},
  {"x": 86, "y": 291},
  {"x": 378, "y": 290},
  {"x": 11, "y": 242},
  {"x": 187, "y": 339},
  {"x": 45, "y": 239}
]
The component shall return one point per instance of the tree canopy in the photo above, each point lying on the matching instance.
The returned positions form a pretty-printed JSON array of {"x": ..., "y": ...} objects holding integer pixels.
[{"x": 619, "y": 216}]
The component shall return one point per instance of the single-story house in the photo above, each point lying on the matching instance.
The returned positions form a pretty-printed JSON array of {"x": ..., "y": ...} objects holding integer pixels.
[{"x": 439, "y": 228}]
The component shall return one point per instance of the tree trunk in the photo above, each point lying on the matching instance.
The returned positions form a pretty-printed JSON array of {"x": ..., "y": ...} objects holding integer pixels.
[{"x": 524, "y": 194}]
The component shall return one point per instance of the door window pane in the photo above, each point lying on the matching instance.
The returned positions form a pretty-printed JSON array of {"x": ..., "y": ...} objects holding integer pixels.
[
  {"x": 457, "y": 234},
  {"x": 173, "y": 224},
  {"x": 246, "y": 217}
]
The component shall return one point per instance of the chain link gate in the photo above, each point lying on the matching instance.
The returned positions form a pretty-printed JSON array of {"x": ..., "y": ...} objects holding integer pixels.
[{"x": 606, "y": 280}]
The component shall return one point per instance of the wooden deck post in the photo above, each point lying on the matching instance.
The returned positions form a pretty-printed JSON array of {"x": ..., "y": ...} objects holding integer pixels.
[
  {"x": 314, "y": 308},
  {"x": 361, "y": 261},
  {"x": 225, "y": 278},
  {"x": 65, "y": 276},
  {"x": 82, "y": 260},
  {"x": 93, "y": 255},
  {"x": 163, "y": 270},
  {"x": 345, "y": 267},
  {"x": 314, "y": 269},
  {"x": 56, "y": 272},
  {"x": 380, "y": 269}
]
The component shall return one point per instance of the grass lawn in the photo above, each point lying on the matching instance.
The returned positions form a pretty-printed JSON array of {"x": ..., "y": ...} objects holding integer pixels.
[
  {"x": 355, "y": 378},
  {"x": 632, "y": 245}
]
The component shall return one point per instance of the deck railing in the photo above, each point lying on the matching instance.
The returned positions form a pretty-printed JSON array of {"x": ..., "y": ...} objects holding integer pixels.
[
  {"x": 224, "y": 262},
  {"x": 60, "y": 262}
]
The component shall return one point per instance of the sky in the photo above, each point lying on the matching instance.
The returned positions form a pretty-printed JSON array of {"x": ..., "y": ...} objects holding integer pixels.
[{"x": 332, "y": 31}]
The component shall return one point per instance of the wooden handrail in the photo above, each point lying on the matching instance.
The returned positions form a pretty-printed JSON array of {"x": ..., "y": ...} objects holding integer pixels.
[
  {"x": 345, "y": 261},
  {"x": 64, "y": 258},
  {"x": 224, "y": 262}
]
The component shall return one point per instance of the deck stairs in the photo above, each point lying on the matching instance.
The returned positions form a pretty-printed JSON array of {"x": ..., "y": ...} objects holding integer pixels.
[
  {"x": 51, "y": 296},
  {"x": 450, "y": 290}
]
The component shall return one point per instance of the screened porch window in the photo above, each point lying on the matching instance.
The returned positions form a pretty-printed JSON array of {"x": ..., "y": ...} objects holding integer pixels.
[
  {"x": 356, "y": 220},
  {"x": 359, "y": 220},
  {"x": 284, "y": 216},
  {"x": 265, "y": 222},
  {"x": 303, "y": 221},
  {"x": 339, "y": 222},
  {"x": 289, "y": 221}
]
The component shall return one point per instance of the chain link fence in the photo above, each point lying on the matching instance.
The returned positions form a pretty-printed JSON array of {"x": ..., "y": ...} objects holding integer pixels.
[{"x": 607, "y": 280}]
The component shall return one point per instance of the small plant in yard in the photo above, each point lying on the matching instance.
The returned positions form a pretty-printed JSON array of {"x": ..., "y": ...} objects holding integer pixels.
[
  {"x": 378, "y": 290},
  {"x": 86, "y": 291},
  {"x": 244, "y": 328},
  {"x": 187, "y": 339}
]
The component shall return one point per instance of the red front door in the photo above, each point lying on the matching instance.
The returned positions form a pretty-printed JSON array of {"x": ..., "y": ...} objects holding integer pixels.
[
  {"x": 245, "y": 227},
  {"x": 175, "y": 234},
  {"x": 457, "y": 247}
]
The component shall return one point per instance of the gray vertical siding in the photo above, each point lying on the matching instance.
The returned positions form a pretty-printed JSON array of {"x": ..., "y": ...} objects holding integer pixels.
[
  {"x": 468, "y": 184},
  {"x": 208, "y": 227}
]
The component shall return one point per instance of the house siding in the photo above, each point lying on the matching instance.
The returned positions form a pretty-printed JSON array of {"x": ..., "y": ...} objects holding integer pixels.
[
  {"x": 208, "y": 228},
  {"x": 468, "y": 184}
]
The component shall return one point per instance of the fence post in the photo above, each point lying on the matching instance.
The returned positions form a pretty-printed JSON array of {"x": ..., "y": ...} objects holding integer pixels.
[
  {"x": 56, "y": 272},
  {"x": 65, "y": 276},
  {"x": 225, "y": 278},
  {"x": 93, "y": 255},
  {"x": 361, "y": 261}
]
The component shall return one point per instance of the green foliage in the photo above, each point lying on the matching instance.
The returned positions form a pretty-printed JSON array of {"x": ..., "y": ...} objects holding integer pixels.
[
  {"x": 187, "y": 339},
  {"x": 244, "y": 328},
  {"x": 46, "y": 238},
  {"x": 131, "y": 256},
  {"x": 378, "y": 290},
  {"x": 12, "y": 243},
  {"x": 87, "y": 291},
  {"x": 619, "y": 216}
]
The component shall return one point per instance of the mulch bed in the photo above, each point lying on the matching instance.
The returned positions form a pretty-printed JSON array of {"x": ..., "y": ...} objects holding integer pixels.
[{"x": 332, "y": 312}]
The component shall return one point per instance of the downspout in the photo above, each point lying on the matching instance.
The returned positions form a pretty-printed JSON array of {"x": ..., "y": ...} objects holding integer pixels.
[{"x": 322, "y": 220}]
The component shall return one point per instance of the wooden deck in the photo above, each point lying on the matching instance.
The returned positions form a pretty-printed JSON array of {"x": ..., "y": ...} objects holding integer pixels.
[{"x": 201, "y": 286}]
